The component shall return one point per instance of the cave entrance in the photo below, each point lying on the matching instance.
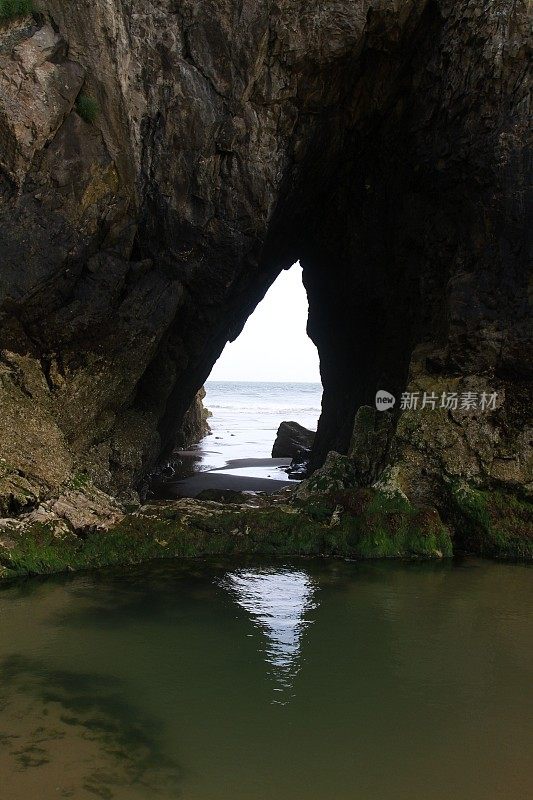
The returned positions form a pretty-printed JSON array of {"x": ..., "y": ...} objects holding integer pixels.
[{"x": 268, "y": 375}]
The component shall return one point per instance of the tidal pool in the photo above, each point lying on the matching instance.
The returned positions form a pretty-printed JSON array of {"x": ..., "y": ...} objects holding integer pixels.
[{"x": 257, "y": 680}]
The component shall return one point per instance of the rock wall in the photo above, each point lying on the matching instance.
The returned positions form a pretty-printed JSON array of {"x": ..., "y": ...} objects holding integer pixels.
[
  {"x": 194, "y": 425},
  {"x": 383, "y": 143}
]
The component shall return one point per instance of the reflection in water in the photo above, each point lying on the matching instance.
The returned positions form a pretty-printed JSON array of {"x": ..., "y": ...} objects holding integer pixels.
[{"x": 278, "y": 601}]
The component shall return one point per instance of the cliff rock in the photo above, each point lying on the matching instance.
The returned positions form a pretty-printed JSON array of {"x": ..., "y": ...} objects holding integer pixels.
[{"x": 161, "y": 162}]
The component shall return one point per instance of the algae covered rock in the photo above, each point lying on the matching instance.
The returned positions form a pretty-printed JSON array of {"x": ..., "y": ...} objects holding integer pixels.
[
  {"x": 371, "y": 437},
  {"x": 466, "y": 443},
  {"x": 346, "y": 523},
  {"x": 222, "y": 496},
  {"x": 338, "y": 472},
  {"x": 367, "y": 523},
  {"x": 390, "y": 483},
  {"x": 354, "y": 523},
  {"x": 494, "y": 523}
]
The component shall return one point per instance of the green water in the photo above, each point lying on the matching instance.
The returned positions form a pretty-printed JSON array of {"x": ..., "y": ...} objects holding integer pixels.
[{"x": 256, "y": 681}]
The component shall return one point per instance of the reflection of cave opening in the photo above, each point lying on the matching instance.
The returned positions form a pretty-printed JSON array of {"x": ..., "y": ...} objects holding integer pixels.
[{"x": 279, "y": 602}]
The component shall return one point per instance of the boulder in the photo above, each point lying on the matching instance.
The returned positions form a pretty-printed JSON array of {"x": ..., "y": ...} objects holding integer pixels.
[{"x": 293, "y": 441}]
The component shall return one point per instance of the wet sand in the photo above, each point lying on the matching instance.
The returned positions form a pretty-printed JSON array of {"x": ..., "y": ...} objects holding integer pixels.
[
  {"x": 248, "y": 463},
  {"x": 238, "y": 475}
]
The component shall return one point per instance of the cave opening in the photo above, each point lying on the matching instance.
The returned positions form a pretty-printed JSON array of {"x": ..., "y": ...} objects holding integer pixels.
[
  {"x": 258, "y": 413},
  {"x": 357, "y": 209}
]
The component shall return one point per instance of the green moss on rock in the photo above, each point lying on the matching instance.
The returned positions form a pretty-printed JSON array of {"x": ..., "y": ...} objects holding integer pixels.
[
  {"x": 13, "y": 9},
  {"x": 366, "y": 523},
  {"x": 494, "y": 523},
  {"x": 87, "y": 107},
  {"x": 79, "y": 481},
  {"x": 337, "y": 472},
  {"x": 348, "y": 523},
  {"x": 38, "y": 550}
]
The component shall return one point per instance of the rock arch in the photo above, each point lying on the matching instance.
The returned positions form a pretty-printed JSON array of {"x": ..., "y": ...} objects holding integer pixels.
[{"x": 380, "y": 143}]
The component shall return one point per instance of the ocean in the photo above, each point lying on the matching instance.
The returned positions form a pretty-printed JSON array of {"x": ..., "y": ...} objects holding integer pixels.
[{"x": 246, "y": 417}]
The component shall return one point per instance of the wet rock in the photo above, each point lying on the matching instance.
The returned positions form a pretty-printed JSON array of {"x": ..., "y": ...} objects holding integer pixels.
[
  {"x": 298, "y": 470},
  {"x": 496, "y": 524},
  {"x": 293, "y": 441},
  {"x": 369, "y": 446},
  {"x": 195, "y": 425},
  {"x": 87, "y": 511},
  {"x": 338, "y": 472},
  {"x": 81, "y": 509}
]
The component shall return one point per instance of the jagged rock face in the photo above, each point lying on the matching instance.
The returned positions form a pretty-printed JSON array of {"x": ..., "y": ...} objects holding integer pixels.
[{"x": 381, "y": 143}]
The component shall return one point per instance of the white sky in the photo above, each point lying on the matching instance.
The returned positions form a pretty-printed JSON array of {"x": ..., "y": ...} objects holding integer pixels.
[{"x": 273, "y": 345}]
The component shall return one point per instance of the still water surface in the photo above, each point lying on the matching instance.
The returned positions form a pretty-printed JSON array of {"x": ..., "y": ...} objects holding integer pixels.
[{"x": 253, "y": 681}]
